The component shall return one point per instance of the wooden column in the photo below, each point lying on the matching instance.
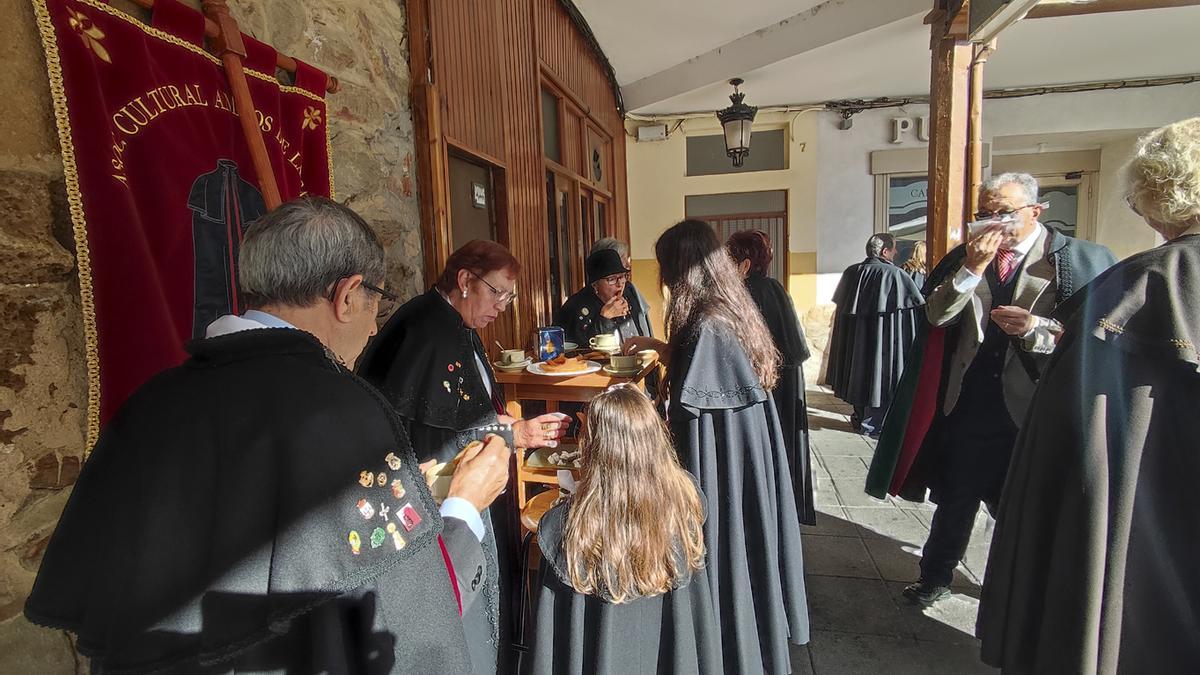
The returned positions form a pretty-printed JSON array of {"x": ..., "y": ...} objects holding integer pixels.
[
  {"x": 432, "y": 169},
  {"x": 948, "y": 107},
  {"x": 975, "y": 149}
]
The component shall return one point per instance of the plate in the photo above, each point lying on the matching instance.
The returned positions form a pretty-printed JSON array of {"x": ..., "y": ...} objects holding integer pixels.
[
  {"x": 536, "y": 369},
  {"x": 512, "y": 367},
  {"x": 622, "y": 373}
]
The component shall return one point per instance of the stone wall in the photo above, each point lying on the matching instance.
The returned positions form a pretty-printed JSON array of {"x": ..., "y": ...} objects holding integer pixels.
[{"x": 42, "y": 370}]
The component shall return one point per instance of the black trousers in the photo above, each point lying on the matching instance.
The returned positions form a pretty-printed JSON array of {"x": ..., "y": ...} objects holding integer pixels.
[{"x": 977, "y": 439}]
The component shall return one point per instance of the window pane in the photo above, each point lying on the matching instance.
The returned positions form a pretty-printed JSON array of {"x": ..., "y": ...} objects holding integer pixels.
[
  {"x": 550, "y": 133},
  {"x": 1063, "y": 214},
  {"x": 907, "y": 207}
]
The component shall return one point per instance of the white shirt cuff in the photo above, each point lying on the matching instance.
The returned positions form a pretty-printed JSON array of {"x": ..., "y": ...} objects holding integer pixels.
[
  {"x": 457, "y": 507},
  {"x": 965, "y": 280}
]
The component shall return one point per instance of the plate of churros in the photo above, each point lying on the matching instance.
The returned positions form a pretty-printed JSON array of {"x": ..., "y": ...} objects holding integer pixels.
[{"x": 563, "y": 366}]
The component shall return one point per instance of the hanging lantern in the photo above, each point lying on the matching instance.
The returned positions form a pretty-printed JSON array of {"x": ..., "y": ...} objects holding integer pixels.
[{"x": 737, "y": 120}]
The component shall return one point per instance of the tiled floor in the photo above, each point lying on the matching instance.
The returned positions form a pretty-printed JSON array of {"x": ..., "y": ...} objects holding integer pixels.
[{"x": 859, "y": 557}]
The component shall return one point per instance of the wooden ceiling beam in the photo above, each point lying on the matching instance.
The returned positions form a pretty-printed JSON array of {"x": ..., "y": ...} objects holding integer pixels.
[{"x": 1057, "y": 9}]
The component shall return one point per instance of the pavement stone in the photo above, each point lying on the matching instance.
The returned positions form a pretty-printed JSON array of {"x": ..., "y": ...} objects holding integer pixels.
[
  {"x": 837, "y": 653},
  {"x": 837, "y": 556},
  {"x": 831, "y": 520},
  {"x": 850, "y": 492},
  {"x": 845, "y": 467},
  {"x": 895, "y": 524},
  {"x": 824, "y": 494},
  {"x": 850, "y": 605}
]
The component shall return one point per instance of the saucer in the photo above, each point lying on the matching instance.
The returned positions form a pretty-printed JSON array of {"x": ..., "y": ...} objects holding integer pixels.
[
  {"x": 570, "y": 346},
  {"x": 622, "y": 373},
  {"x": 512, "y": 367}
]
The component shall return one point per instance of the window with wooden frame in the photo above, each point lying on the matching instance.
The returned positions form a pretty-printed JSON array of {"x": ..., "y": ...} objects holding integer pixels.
[{"x": 578, "y": 159}]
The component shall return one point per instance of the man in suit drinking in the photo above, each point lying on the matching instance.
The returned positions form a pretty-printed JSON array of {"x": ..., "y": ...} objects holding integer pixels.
[{"x": 996, "y": 308}]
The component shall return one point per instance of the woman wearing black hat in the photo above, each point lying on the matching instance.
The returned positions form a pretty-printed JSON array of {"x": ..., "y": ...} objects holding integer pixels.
[{"x": 601, "y": 306}]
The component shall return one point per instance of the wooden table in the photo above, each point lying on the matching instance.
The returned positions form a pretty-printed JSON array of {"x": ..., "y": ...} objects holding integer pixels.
[
  {"x": 553, "y": 389},
  {"x": 524, "y": 385}
]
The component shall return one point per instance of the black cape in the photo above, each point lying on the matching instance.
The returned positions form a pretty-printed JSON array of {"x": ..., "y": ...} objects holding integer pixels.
[
  {"x": 907, "y": 461},
  {"x": 878, "y": 310},
  {"x": 423, "y": 360},
  {"x": 780, "y": 315},
  {"x": 1093, "y": 567},
  {"x": 580, "y": 317},
  {"x": 211, "y": 529},
  {"x": 728, "y": 435},
  {"x": 671, "y": 633}
]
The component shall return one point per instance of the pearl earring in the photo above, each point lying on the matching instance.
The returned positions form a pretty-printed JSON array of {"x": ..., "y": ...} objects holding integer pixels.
[{"x": 464, "y": 294}]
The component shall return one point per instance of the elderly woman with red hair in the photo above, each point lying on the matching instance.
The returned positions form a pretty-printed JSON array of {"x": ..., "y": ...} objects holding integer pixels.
[
  {"x": 429, "y": 362},
  {"x": 752, "y": 253}
]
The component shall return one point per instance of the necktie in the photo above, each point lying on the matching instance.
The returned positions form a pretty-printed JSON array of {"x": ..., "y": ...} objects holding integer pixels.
[{"x": 1005, "y": 264}]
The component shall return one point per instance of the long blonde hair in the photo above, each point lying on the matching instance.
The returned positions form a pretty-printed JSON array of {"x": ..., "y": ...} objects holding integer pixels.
[
  {"x": 916, "y": 261},
  {"x": 635, "y": 526}
]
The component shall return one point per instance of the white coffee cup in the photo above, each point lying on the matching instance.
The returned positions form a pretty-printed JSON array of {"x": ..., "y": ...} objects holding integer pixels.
[
  {"x": 511, "y": 357},
  {"x": 623, "y": 362},
  {"x": 604, "y": 341}
]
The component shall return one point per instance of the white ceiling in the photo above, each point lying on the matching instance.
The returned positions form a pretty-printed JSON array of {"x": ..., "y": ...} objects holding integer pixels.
[
  {"x": 1073, "y": 140},
  {"x": 641, "y": 39}
]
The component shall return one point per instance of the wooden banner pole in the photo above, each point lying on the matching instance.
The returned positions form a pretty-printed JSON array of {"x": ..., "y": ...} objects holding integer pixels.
[
  {"x": 229, "y": 46},
  {"x": 282, "y": 60}
]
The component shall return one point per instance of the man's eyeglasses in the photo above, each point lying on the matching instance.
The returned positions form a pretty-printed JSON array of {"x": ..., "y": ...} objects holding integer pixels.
[
  {"x": 502, "y": 297},
  {"x": 1003, "y": 213},
  {"x": 387, "y": 299}
]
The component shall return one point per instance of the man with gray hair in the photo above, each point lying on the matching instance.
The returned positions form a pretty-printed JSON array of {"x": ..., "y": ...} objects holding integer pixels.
[
  {"x": 259, "y": 507},
  {"x": 878, "y": 309},
  {"x": 987, "y": 304}
]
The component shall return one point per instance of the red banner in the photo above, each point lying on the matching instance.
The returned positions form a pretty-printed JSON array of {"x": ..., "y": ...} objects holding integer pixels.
[{"x": 159, "y": 178}]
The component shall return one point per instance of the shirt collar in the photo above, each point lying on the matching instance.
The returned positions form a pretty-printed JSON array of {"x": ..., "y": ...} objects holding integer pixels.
[
  {"x": 269, "y": 320},
  {"x": 1023, "y": 247}
]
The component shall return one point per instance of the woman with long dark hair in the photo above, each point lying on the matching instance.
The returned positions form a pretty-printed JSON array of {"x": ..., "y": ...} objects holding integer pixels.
[
  {"x": 721, "y": 366},
  {"x": 623, "y": 584},
  {"x": 752, "y": 253}
]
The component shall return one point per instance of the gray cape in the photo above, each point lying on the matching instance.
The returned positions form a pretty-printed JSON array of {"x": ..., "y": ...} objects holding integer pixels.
[{"x": 1093, "y": 567}]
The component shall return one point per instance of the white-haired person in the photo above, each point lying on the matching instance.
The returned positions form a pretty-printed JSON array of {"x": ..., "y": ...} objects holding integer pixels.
[
  {"x": 1093, "y": 564},
  {"x": 990, "y": 305}
]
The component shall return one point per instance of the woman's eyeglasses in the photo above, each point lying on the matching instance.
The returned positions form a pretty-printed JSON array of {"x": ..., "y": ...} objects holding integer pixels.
[
  {"x": 502, "y": 297},
  {"x": 616, "y": 279}
]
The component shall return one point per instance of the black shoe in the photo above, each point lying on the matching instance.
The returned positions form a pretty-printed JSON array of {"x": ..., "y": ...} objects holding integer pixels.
[
  {"x": 856, "y": 423},
  {"x": 925, "y": 594}
]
